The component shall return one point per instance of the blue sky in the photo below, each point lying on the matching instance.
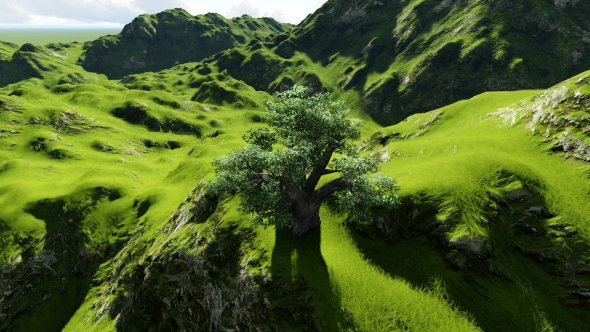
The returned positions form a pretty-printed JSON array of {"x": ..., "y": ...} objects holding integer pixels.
[{"x": 116, "y": 13}]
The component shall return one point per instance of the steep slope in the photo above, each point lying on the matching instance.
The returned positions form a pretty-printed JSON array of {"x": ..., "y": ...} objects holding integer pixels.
[
  {"x": 499, "y": 184},
  {"x": 411, "y": 56},
  {"x": 396, "y": 58},
  {"x": 156, "y": 42}
]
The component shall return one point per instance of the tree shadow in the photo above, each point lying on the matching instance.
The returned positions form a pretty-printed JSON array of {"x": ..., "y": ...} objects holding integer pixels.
[
  {"x": 507, "y": 299},
  {"x": 302, "y": 282}
]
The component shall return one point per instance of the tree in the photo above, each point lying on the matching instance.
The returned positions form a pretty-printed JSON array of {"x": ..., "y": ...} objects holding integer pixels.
[{"x": 278, "y": 171}]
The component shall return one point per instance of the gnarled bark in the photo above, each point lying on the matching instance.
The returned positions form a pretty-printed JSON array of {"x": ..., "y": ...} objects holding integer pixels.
[{"x": 307, "y": 207}]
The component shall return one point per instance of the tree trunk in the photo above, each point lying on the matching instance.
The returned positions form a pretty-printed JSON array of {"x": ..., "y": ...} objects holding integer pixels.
[
  {"x": 307, "y": 216},
  {"x": 307, "y": 207}
]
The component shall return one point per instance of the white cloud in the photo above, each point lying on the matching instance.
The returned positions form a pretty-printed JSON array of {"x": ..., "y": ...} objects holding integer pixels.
[
  {"x": 283, "y": 16},
  {"x": 41, "y": 20},
  {"x": 241, "y": 7},
  {"x": 118, "y": 12}
]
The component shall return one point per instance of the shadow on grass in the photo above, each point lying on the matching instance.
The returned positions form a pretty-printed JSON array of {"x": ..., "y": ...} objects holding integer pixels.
[
  {"x": 497, "y": 303},
  {"x": 53, "y": 282},
  {"x": 302, "y": 281}
]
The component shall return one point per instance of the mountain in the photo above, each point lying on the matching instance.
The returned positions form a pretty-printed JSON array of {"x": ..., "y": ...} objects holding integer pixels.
[
  {"x": 412, "y": 56},
  {"x": 397, "y": 58},
  {"x": 156, "y": 42}
]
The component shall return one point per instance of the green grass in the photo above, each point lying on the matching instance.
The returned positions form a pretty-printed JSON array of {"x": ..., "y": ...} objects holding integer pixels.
[
  {"x": 44, "y": 36},
  {"x": 92, "y": 169},
  {"x": 354, "y": 281}
]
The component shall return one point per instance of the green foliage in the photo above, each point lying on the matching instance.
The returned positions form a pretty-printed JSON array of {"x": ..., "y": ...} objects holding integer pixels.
[
  {"x": 366, "y": 193},
  {"x": 311, "y": 129}
]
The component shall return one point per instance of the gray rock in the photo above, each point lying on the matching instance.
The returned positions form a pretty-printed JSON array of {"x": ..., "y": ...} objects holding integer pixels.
[
  {"x": 500, "y": 200},
  {"x": 579, "y": 295},
  {"x": 458, "y": 260},
  {"x": 479, "y": 247},
  {"x": 536, "y": 209},
  {"x": 520, "y": 196}
]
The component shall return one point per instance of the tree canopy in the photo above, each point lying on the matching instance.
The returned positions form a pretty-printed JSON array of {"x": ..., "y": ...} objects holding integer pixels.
[{"x": 278, "y": 172}]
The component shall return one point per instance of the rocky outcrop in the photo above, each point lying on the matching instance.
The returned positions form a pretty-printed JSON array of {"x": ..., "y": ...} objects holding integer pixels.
[
  {"x": 560, "y": 114},
  {"x": 202, "y": 286},
  {"x": 139, "y": 114}
]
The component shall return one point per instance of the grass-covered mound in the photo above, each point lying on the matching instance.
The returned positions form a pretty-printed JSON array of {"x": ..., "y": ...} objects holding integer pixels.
[
  {"x": 52, "y": 64},
  {"x": 6, "y": 49},
  {"x": 159, "y": 41}
]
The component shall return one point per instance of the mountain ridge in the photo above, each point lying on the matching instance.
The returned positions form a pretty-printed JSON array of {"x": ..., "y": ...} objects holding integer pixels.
[{"x": 156, "y": 42}]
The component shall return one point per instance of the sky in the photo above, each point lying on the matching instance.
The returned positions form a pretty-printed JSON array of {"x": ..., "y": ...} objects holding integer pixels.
[{"x": 116, "y": 13}]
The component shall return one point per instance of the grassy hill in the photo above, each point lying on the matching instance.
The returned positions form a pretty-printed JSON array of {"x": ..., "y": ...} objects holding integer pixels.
[
  {"x": 104, "y": 224},
  {"x": 156, "y": 42}
]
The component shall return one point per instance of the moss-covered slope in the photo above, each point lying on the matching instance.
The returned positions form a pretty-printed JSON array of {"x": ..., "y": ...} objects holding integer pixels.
[
  {"x": 396, "y": 58},
  {"x": 52, "y": 64},
  {"x": 159, "y": 41},
  {"x": 412, "y": 56},
  {"x": 97, "y": 229}
]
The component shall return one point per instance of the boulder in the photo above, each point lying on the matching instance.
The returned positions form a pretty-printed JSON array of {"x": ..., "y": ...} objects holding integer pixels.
[{"x": 478, "y": 247}]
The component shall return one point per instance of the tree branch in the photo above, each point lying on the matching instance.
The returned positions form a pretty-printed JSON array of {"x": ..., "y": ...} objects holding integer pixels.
[
  {"x": 315, "y": 176},
  {"x": 264, "y": 177},
  {"x": 325, "y": 192}
]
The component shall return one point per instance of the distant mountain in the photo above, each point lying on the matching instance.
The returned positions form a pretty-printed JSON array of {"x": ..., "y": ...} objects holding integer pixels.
[
  {"x": 52, "y": 63},
  {"x": 156, "y": 42}
]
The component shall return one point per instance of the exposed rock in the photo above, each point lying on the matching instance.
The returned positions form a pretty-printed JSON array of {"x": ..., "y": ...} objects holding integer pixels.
[
  {"x": 138, "y": 114},
  {"x": 381, "y": 155},
  {"x": 577, "y": 298},
  {"x": 538, "y": 210},
  {"x": 478, "y": 247},
  {"x": 501, "y": 200},
  {"x": 520, "y": 196},
  {"x": 457, "y": 260},
  {"x": 72, "y": 79},
  {"x": 69, "y": 122},
  {"x": 572, "y": 146}
]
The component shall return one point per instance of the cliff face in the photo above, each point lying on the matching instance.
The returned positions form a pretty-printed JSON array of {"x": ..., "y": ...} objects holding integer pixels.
[{"x": 156, "y": 42}]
